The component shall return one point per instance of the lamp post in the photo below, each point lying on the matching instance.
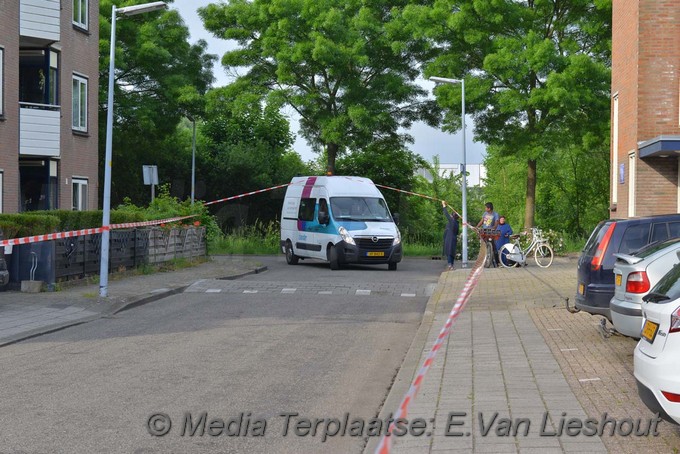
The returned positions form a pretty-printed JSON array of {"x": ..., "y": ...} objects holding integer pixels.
[
  {"x": 106, "y": 217},
  {"x": 193, "y": 158},
  {"x": 443, "y": 80}
]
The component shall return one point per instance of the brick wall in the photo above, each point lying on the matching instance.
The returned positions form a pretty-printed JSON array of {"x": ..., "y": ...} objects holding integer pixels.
[
  {"x": 624, "y": 83},
  {"x": 657, "y": 180},
  {"x": 645, "y": 62},
  {"x": 79, "y": 151},
  {"x": 9, "y": 122}
]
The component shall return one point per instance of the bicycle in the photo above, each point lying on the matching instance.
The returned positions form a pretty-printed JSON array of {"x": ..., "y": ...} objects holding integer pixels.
[
  {"x": 490, "y": 236},
  {"x": 511, "y": 254}
]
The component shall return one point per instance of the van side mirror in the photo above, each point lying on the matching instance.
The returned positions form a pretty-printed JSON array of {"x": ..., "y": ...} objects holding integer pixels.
[
  {"x": 395, "y": 216},
  {"x": 324, "y": 218}
]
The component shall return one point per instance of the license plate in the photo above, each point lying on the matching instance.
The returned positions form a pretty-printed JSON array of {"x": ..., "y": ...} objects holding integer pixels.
[
  {"x": 618, "y": 280},
  {"x": 649, "y": 331},
  {"x": 582, "y": 289},
  {"x": 375, "y": 254}
]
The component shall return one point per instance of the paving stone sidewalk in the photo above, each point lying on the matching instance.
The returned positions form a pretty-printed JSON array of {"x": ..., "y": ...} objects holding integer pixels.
[
  {"x": 25, "y": 315},
  {"x": 517, "y": 354}
]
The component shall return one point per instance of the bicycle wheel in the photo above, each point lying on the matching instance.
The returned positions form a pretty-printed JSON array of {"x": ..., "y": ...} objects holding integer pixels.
[
  {"x": 488, "y": 259},
  {"x": 543, "y": 255},
  {"x": 503, "y": 255}
]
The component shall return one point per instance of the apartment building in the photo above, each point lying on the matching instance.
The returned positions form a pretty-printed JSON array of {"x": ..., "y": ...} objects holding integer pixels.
[
  {"x": 645, "y": 114},
  {"x": 49, "y": 77}
]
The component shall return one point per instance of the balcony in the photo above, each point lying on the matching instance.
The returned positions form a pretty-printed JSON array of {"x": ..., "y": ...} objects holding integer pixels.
[
  {"x": 39, "y": 129},
  {"x": 39, "y": 21}
]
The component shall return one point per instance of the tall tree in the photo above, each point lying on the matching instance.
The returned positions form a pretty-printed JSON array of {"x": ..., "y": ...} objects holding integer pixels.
[
  {"x": 535, "y": 71},
  {"x": 246, "y": 149},
  {"x": 156, "y": 71},
  {"x": 342, "y": 66}
]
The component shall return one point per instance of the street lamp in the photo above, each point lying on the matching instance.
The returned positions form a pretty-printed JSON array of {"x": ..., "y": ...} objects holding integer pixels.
[
  {"x": 443, "y": 80},
  {"x": 193, "y": 157},
  {"x": 106, "y": 217}
]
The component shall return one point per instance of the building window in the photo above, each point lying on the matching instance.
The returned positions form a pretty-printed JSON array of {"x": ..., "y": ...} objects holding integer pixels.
[
  {"x": 79, "y": 103},
  {"x": 615, "y": 150},
  {"x": 79, "y": 194},
  {"x": 80, "y": 13},
  {"x": 38, "y": 76},
  {"x": 53, "y": 78},
  {"x": 2, "y": 83}
]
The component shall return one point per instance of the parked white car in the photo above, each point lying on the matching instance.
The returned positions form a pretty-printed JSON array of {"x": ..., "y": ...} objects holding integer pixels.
[
  {"x": 634, "y": 275},
  {"x": 656, "y": 365}
]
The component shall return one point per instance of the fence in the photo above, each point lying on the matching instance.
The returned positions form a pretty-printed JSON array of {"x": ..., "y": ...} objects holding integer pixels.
[{"x": 77, "y": 257}]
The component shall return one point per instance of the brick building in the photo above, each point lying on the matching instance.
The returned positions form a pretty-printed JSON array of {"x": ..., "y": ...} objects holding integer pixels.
[
  {"x": 49, "y": 78},
  {"x": 645, "y": 132}
]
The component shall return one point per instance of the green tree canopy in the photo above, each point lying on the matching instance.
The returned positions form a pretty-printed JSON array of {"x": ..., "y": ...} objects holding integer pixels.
[
  {"x": 341, "y": 64},
  {"x": 536, "y": 73},
  {"x": 159, "y": 77}
]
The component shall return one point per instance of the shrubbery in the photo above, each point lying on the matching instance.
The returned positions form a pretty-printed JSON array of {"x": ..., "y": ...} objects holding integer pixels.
[{"x": 163, "y": 207}]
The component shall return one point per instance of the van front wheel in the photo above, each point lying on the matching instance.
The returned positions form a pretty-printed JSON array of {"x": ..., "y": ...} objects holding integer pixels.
[
  {"x": 291, "y": 258},
  {"x": 392, "y": 266},
  {"x": 333, "y": 258}
]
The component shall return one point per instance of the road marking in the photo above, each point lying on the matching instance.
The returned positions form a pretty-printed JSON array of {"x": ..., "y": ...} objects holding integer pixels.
[
  {"x": 555, "y": 329},
  {"x": 213, "y": 290},
  {"x": 326, "y": 292},
  {"x": 363, "y": 292},
  {"x": 582, "y": 380},
  {"x": 288, "y": 290},
  {"x": 159, "y": 290},
  {"x": 568, "y": 349},
  {"x": 408, "y": 294},
  {"x": 250, "y": 291}
]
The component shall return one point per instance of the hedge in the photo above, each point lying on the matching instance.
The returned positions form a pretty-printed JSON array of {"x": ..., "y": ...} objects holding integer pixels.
[{"x": 41, "y": 222}]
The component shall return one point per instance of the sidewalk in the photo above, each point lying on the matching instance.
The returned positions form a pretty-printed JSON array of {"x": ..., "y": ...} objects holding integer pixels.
[
  {"x": 515, "y": 353},
  {"x": 25, "y": 315}
]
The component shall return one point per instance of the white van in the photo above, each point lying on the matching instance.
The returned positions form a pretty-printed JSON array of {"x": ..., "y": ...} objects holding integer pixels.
[{"x": 338, "y": 219}]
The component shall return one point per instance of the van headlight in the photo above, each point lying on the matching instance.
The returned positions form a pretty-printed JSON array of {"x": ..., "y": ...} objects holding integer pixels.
[
  {"x": 397, "y": 239},
  {"x": 346, "y": 237}
]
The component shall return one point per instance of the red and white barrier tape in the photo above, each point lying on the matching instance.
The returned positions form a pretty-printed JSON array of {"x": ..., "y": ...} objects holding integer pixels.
[
  {"x": 73, "y": 233},
  {"x": 385, "y": 444},
  {"x": 240, "y": 196}
]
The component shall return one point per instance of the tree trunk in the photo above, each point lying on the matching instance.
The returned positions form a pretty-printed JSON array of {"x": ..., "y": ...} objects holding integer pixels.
[
  {"x": 332, "y": 152},
  {"x": 530, "y": 206}
]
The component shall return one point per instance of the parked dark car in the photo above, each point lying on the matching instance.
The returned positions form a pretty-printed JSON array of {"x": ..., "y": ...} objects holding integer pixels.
[{"x": 595, "y": 276}]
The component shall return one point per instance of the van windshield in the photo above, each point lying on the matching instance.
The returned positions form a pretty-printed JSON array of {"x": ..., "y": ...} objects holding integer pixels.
[{"x": 360, "y": 209}]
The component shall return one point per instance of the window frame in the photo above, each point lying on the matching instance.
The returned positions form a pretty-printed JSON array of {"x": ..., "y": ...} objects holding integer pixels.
[
  {"x": 2, "y": 82},
  {"x": 82, "y": 81},
  {"x": 80, "y": 182},
  {"x": 79, "y": 18}
]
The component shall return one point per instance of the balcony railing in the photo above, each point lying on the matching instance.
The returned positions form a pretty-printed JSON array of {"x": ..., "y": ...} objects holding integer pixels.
[{"x": 39, "y": 129}]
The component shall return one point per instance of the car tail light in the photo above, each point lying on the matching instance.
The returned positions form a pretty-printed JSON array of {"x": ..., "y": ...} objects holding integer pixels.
[
  {"x": 671, "y": 396},
  {"x": 675, "y": 321},
  {"x": 637, "y": 282},
  {"x": 602, "y": 248}
]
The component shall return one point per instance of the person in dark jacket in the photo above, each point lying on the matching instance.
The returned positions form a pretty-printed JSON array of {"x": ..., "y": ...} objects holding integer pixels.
[
  {"x": 504, "y": 238},
  {"x": 450, "y": 236}
]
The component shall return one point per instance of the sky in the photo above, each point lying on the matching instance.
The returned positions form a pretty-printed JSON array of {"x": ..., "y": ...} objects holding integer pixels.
[{"x": 428, "y": 141}]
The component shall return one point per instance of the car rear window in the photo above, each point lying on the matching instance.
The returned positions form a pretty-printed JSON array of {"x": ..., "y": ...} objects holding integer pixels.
[
  {"x": 655, "y": 247},
  {"x": 634, "y": 238},
  {"x": 669, "y": 285},
  {"x": 674, "y": 228},
  {"x": 596, "y": 237}
]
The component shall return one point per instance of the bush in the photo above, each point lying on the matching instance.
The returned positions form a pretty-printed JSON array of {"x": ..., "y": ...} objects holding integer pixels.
[{"x": 29, "y": 224}]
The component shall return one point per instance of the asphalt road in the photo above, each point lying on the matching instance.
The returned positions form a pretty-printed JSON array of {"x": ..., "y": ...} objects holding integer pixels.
[{"x": 252, "y": 356}]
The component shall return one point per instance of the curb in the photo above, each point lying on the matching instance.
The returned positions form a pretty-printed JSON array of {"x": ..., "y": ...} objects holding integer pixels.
[
  {"x": 411, "y": 363},
  {"x": 115, "y": 308}
]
